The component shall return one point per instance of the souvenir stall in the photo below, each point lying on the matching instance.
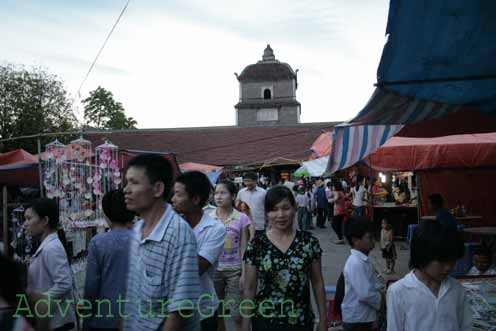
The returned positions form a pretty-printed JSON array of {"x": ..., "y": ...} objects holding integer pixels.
[{"x": 77, "y": 177}]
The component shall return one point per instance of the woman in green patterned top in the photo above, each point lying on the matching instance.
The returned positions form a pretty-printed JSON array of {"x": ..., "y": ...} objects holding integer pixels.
[{"x": 279, "y": 265}]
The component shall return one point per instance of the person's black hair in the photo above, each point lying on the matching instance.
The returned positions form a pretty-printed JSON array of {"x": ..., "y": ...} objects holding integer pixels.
[
  {"x": 436, "y": 200},
  {"x": 114, "y": 207},
  {"x": 196, "y": 184},
  {"x": 359, "y": 181},
  {"x": 357, "y": 227},
  {"x": 338, "y": 186},
  {"x": 157, "y": 169},
  {"x": 329, "y": 184},
  {"x": 251, "y": 175},
  {"x": 229, "y": 185},
  {"x": 433, "y": 241},
  {"x": 44, "y": 207},
  {"x": 275, "y": 195},
  {"x": 483, "y": 250}
]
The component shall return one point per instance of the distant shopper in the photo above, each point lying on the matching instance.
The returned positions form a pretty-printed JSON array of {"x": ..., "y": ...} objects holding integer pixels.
[
  {"x": 321, "y": 203},
  {"x": 339, "y": 203},
  {"x": 359, "y": 194},
  {"x": 107, "y": 266},
  {"x": 362, "y": 298},
  {"x": 49, "y": 273},
  {"x": 302, "y": 203},
  {"x": 387, "y": 246},
  {"x": 245, "y": 209},
  {"x": 254, "y": 196},
  {"x": 443, "y": 216},
  {"x": 482, "y": 260},
  {"x": 427, "y": 298}
]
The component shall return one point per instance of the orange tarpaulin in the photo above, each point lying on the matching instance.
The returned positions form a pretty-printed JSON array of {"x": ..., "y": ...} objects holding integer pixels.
[
  {"x": 322, "y": 145},
  {"x": 198, "y": 166},
  {"x": 458, "y": 151},
  {"x": 18, "y": 168}
]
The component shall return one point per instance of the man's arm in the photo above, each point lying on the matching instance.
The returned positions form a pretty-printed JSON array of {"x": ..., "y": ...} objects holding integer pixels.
[
  {"x": 211, "y": 247},
  {"x": 174, "y": 322}
]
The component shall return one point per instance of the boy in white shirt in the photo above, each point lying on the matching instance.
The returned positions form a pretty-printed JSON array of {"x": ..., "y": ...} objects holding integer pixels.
[
  {"x": 362, "y": 298},
  {"x": 482, "y": 263},
  {"x": 427, "y": 298}
]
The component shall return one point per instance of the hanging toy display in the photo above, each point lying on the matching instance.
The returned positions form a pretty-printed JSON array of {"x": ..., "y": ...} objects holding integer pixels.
[
  {"x": 107, "y": 175},
  {"x": 81, "y": 170},
  {"x": 55, "y": 176}
]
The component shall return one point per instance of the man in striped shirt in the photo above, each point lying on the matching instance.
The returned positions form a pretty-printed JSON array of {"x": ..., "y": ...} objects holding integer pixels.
[{"x": 163, "y": 281}]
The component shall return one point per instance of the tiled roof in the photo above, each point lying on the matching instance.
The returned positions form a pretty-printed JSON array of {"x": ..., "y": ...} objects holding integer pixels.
[
  {"x": 222, "y": 146},
  {"x": 267, "y": 71},
  {"x": 257, "y": 103}
]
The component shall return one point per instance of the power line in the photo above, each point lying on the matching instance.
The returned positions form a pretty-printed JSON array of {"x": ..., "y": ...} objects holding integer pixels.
[{"x": 103, "y": 46}]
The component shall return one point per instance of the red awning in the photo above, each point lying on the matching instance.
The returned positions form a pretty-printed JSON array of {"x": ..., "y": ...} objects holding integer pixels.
[
  {"x": 18, "y": 168},
  {"x": 198, "y": 166},
  {"x": 458, "y": 151}
]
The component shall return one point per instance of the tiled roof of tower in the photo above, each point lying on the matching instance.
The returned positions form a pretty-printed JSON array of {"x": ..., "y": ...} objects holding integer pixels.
[
  {"x": 267, "y": 71},
  {"x": 222, "y": 146}
]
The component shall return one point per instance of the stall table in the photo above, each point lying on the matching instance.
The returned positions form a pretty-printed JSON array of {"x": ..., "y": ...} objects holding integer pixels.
[{"x": 467, "y": 221}]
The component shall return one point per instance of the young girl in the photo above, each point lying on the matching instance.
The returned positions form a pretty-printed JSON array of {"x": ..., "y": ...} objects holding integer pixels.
[
  {"x": 387, "y": 246},
  {"x": 245, "y": 209},
  {"x": 228, "y": 277}
]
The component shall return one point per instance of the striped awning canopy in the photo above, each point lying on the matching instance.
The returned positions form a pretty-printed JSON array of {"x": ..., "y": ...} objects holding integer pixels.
[{"x": 436, "y": 77}]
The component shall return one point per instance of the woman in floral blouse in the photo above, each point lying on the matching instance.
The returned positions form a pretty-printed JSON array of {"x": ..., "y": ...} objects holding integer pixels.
[{"x": 278, "y": 267}]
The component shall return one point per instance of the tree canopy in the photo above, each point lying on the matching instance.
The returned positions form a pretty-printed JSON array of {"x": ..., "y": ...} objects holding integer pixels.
[
  {"x": 101, "y": 111},
  {"x": 32, "y": 101}
]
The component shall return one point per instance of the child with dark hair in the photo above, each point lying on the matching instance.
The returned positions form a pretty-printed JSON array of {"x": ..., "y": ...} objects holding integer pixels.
[
  {"x": 362, "y": 298},
  {"x": 387, "y": 246},
  {"x": 427, "y": 298},
  {"x": 107, "y": 264},
  {"x": 482, "y": 261}
]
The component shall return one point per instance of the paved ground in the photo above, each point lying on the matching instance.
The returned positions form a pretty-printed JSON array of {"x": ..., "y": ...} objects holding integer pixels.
[{"x": 334, "y": 257}]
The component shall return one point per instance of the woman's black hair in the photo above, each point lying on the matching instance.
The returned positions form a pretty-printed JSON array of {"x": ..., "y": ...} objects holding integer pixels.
[
  {"x": 114, "y": 207},
  {"x": 432, "y": 241},
  {"x": 358, "y": 182},
  {"x": 357, "y": 227},
  {"x": 230, "y": 186},
  {"x": 44, "y": 207},
  {"x": 277, "y": 194},
  {"x": 337, "y": 185}
]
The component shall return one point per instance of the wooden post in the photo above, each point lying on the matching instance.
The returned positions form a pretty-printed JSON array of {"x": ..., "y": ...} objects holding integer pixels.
[
  {"x": 5, "y": 208},
  {"x": 40, "y": 172}
]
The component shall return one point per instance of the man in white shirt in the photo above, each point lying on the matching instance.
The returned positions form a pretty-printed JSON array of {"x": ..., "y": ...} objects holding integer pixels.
[
  {"x": 427, "y": 298},
  {"x": 254, "y": 197},
  {"x": 362, "y": 298},
  {"x": 191, "y": 192}
]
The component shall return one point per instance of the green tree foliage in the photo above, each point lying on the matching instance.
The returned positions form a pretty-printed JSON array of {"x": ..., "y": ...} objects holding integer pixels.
[
  {"x": 101, "y": 111},
  {"x": 32, "y": 101}
]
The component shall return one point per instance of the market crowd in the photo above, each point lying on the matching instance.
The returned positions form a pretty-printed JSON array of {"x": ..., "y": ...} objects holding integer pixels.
[{"x": 182, "y": 255}]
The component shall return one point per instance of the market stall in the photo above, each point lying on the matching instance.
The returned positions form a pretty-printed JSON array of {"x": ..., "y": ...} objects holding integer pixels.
[{"x": 461, "y": 168}]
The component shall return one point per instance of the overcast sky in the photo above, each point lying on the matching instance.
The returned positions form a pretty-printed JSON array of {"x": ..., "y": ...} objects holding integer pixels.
[{"x": 172, "y": 63}]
